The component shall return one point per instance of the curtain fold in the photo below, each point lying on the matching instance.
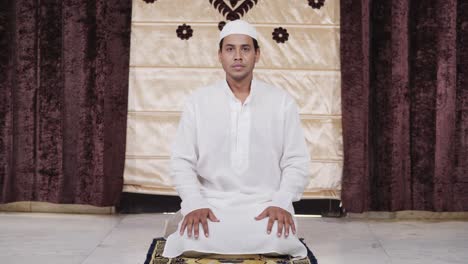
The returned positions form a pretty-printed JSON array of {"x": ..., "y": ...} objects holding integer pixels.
[
  {"x": 404, "y": 104},
  {"x": 63, "y": 108}
]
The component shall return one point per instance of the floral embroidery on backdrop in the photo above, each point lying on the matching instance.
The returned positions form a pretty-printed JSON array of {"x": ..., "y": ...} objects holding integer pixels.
[
  {"x": 316, "y": 4},
  {"x": 280, "y": 35},
  {"x": 221, "y": 25},
  {"x": 184, "y": 31},
  {"x": 235, "y": 9}
]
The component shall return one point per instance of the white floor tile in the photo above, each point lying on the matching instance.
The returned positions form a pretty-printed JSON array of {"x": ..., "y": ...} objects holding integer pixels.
[
  {"x": 43, "y": 238},
  {"x": 337, "y": 241},
  {"x": 129, "y": 241},
  {"x": 51, "y": 238},
  {"x": 424, "y": 242}
]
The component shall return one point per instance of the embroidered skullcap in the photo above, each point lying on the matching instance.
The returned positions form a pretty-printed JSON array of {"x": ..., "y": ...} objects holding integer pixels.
[{"x": 238, "y": 27}]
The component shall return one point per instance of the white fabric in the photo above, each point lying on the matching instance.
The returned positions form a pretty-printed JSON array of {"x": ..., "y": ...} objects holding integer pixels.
[
  {"x": 162, "y": 75},
  {"x": 238, "y": 27},
  {"x": 238, "y": 159}
]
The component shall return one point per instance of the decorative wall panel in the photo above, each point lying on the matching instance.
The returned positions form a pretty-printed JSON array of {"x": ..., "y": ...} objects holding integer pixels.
[{"x": 174, "y": 51}]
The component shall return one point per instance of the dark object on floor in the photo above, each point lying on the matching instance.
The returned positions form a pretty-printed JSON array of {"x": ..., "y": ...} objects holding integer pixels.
[
  {"x": 157, "y": 247},
  {"x": 134, "y": 203}
]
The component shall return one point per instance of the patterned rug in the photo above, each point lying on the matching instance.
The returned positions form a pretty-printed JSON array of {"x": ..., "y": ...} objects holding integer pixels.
[{"x": 156, "y": 249}]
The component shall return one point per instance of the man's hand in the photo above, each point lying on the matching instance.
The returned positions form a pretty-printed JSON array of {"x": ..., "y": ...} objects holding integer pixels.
[
  {"x": 283, "y": 217},
  {"x": 193, "y": 220}
]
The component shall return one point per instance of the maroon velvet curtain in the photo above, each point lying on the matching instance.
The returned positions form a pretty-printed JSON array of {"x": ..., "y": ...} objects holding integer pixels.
[
  {"x": 63, "y": 104},
  {"x": 405, "y": 105}
]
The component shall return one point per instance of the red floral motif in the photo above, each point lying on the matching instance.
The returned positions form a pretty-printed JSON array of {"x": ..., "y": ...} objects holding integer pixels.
[
  {"x": 221, "y": 25},
  {"x": 184, "y": 31},
  {"x": 316, "y": 4},
  {"x": 231, "y": 11},
  {"x": 280, "y": 35}
]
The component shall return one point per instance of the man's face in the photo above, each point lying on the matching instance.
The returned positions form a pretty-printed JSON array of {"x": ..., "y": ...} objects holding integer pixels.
[{"x": 238, "y": 56}]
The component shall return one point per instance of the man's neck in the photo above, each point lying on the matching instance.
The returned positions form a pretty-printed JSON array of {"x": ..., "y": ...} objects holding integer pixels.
[{"x": 241, "y": 87}]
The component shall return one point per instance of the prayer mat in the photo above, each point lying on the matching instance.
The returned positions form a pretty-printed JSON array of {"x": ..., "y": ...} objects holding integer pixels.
[{"x": 156, "y": 249}]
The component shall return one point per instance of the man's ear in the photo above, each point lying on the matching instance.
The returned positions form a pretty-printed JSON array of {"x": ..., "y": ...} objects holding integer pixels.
[
  {"x": 257, "y": 55},
  {"x": 219, "y": 55}
]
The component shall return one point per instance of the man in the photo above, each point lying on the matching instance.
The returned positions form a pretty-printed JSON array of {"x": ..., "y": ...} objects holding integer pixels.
[{"x": 239, "y": 160}]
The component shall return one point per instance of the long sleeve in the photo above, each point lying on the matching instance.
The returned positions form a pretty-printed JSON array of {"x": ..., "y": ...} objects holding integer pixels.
[
  {"x": 184, "y": 162},
  {"x": 295, "y": 159}
]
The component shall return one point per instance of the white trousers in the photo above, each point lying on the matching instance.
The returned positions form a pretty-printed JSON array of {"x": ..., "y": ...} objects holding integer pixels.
[{"x": 236, "y": 233}]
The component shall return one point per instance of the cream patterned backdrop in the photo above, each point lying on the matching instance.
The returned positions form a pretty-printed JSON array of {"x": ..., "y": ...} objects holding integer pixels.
[{"x": 164, "y": 69}]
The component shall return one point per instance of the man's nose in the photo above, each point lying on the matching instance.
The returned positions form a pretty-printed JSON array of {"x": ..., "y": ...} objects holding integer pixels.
[{"x": 237, "y": 55}]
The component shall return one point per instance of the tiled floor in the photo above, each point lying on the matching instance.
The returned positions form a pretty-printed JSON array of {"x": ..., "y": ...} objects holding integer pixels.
[{"x": 99, "y": 239}]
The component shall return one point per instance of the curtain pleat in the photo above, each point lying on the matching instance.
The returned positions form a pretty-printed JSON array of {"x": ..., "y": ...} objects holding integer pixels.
[
  {"x": 354, "y": 53},
  {"x": 461, "y": 119}
]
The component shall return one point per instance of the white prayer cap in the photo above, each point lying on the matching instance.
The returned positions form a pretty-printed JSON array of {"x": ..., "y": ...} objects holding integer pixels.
[{"x": 238, "y": 27}]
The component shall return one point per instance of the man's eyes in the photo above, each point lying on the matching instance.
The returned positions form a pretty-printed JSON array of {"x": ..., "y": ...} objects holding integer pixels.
[{"x": 243, "y": 49}]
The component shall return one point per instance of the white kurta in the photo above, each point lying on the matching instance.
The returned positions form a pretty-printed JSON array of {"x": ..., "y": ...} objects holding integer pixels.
[{"x": 238, "y": 159}]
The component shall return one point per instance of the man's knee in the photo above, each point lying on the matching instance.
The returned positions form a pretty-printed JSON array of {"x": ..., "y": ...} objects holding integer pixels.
[{"x": 172, "y": 223}]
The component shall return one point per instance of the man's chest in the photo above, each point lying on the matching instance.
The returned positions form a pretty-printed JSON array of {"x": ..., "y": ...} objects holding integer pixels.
[{"x": 239, "y": 128}]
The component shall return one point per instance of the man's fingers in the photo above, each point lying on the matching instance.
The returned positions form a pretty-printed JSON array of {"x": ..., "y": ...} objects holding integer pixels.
[
  {"x": 182, "y": 226},
  {"x": 293, "y": 226},
  {"x": 270, "y": 224},
  {"x": 284, "y": 218},
  {"x": 196, "y": 226},
  {"x": 287, "y": 225},
  {"x": 212, "y": 217},
  {"x": 262, "y": 215},
  {"x": 280, "y": 226},
  {"x": 189, "y": 228},
  {"x": 205, "y": 227}
]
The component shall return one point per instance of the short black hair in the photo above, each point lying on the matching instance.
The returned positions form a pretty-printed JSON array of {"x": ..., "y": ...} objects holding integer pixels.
[{"x": 255, "y": 42}]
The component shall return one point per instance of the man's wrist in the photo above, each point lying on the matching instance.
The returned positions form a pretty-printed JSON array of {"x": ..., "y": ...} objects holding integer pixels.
[
  {"x": 190, "y": 205},
  {"x": 282, "y": 200}
]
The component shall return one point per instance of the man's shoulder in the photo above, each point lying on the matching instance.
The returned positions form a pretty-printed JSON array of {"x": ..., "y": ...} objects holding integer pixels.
[
  {"x": 268, "y": 86},
  {"x": 202, "y": 92},
  {"x": 273, "y": 91}
]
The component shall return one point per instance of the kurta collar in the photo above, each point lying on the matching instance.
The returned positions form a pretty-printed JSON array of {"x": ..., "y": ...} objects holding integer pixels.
[{"x": 230, "y": 94}]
